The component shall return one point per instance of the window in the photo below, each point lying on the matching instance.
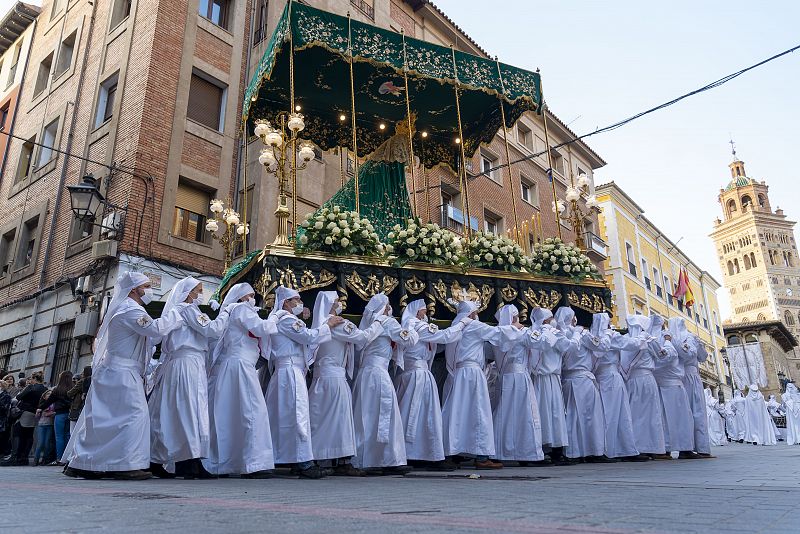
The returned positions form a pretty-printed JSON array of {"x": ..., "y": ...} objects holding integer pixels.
[
  {"x": 6, "y": 252},
  {"x": 206, "y": 100},
  {"x": 25, "y": 156},
  {"x": 5, "y": 354},
  {"x": 48, "y": 143},
  {"x": 657, "y": 280},
  {"x": 492, "y": 223},
  {"x": 524, "y": 136},
  {"x": 216, "y": 11},
  {"x": 558, "y": 161},
  {"x": 529, "y": 191},
  {"x": 57, "y": 5},
  {"x": 731, "y": 207},
  {"x": 488, "y": 162},
  {"x": 3, "y": 117},
  {"x": 65, "y": 346},
  {"x": 191, "y": 209},
  {"x": 27, "y": 243},
  {"x": 668, "y": 289},
  {"x": 120, "y": 12},
  {"x": 106, "y": 99},
  {"x": 746, "y": 202},
  {"x": 43, "y": 77},
  {"x": 788, "y": 318},
  {"x": 365, "y": 6},
  {"x": 12, "y": 73},
  {"x": 631, "y": 259},
  {"x": 260, "y": 29},
  {"x": 65, "y": 54}
]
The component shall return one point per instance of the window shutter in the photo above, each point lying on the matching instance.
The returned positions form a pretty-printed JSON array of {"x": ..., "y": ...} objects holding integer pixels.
[
  {"x": 205, "y": 102},
  {"x": 192, "y": 199}
]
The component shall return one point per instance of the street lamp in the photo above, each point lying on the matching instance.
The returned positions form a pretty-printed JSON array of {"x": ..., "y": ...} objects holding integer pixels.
[
  {"x": 279, "y": 145},
  {"x": 235, "y": 231},
  {"x": 85, "y": 198}
]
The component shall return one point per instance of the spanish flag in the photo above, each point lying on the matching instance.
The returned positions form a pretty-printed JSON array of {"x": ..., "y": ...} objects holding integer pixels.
[{"x": 683, "y": 289}]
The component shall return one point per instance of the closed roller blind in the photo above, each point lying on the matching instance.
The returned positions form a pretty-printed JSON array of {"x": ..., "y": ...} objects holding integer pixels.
[
  {"x": 205, "y": 102},
  {"x": 192, "y": 199}
]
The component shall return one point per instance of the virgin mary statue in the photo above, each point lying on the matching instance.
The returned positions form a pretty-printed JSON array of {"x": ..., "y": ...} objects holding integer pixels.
[{"x": 383, "y": 197}]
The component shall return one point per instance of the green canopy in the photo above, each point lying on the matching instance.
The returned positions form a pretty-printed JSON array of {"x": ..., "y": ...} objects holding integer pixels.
[{"x": 322, "y": 86}]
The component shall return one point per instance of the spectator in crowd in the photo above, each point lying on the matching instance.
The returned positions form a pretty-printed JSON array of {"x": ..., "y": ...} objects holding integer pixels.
[
  {"x": 5, "y": 418},
  {"x": 44, "y": 430},
  {"x": 77, "y": 397},
  {"x": 12, "y": 386},
  {"x": 61, "y": 405},
  {"x": 27, "y": 402}
]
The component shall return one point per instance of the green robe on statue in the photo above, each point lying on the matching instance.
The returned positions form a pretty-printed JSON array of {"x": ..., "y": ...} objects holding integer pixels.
[{"x": 383, "y": 197}]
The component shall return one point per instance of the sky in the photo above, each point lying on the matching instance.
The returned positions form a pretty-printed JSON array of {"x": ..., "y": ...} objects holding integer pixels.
[{"x": 605, "y": 61}]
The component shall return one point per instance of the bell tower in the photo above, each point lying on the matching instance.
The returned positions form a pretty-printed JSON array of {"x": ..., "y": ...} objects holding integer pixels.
[{"x": 757, "y": 252}]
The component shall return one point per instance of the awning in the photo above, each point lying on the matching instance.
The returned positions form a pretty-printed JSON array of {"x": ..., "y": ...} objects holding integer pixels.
[{"x": 322, "y": 86}]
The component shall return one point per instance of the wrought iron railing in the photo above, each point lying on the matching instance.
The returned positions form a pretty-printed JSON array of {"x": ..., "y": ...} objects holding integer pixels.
[{"x": 364, "y": 7}]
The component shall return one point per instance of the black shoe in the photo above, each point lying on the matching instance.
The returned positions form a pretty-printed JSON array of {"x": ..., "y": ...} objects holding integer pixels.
[
  {"x": 600, "y": 460},
  {"x": 82, "y": 473},
  {"x": 541, "y": 463},
  {"x": 135, "y": 474},
  {"x": 200, "y": 471},
  {"x": 688, "y": 455},
  {"x": 397, "y": 470},
  {"x": 443, "y": 465},
  {"x": 373, "y": 471},
  {"x": 158, "y": 471},
  {"x": 637, "y": 458},
  {"x": 566, "y": 461},
  {"x": 348, "y": 470},
  {"x": 523, "y": 463},
  {"x": 314, "y": 472},
  {"x": 13, "y": 462},
  {"x": 265, "y": 473}
]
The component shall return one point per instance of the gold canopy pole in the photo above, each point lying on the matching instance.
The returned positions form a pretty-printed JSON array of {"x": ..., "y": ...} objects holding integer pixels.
[
  {"x": 508, "y": 154},
  {"x": 341, "y": 164},
  {"x": 353, "y": 111},
  {"x": 550, "y": 159},
  {"x": 293, "y": 167},
  {"x": 462, "y": 179},
  {"x": 244, "y": 193},
  {"x": 410, "y": 132}
]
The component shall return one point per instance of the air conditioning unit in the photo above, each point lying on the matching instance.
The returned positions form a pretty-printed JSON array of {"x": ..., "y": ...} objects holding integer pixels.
[
  {"x": 86, "y": 324},
  {"x": 107, "y": 248}
]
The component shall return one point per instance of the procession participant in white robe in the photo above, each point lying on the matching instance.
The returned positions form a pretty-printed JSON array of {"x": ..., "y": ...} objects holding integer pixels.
[
  {"x": 791, "y": 404},
  {"x": 585, "y": 422},
  {"x": 179, "y": 428},
  {"x": 380, "y": 443},
  {"x": 636, "y": 365},
  {"x": 112, "y": 436},
  {"x": 739, "y": 408},
  {"x": 287, "y": 394},
  {"x": 467, "y": 411},
  {"x": 716, "y": 423},
  {"x": 669, "y": 374},
  {"x": 417, "y": 393},
  {"x": 240, "y": 434},
  {"x": 691, "y": 353},
  {"x": 775, "y": 410},
  {"x": 726, "y": 409},
  {"x": 619, "y": 438},
  {"x": 330, "y": 401},
  {"x": 517, "y": 426},
  {"x": 759, "y": 429},
  {"x": 548, "y": 346}
]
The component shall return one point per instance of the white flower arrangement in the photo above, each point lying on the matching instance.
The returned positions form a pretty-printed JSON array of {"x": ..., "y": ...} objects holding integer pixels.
[
  {"x": 339, "y": 232},
  {"x": 426, "y": 243},
  {"x": 489, "y": 251},
  {"x": 553, "y": 257}
]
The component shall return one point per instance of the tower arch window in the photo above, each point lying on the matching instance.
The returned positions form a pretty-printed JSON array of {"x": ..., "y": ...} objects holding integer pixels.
[
  {"x": 736, "y": 266},
  {"x": 731, "y": 207},
  {"x": 734, "y": 340},
  {"x": 788, "y": 318},
  {"x": 762, "y": 201},
  {"x": 761, "y": 317},
  {"x": 746, "y": 201},
  {"x": 753, "y": 260},
  {"x": 730, "y": 267},
  {"x": 746, "y": 262}
]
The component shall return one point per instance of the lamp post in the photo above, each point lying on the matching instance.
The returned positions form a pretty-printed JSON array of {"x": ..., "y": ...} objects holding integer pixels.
[
  {"x": 235, "y": 230},
  {"x": 279, "y": 157}
]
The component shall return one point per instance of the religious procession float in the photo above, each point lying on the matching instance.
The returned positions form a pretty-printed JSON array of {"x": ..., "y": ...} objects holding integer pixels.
[{"x": 366, "y": 238}]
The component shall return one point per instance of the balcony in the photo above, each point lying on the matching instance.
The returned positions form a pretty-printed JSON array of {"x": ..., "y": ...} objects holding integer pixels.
[
  {"x": 453, "y": 219},
  {"x": 365, "y": 7},
  {"x": 595, "y": 247}
]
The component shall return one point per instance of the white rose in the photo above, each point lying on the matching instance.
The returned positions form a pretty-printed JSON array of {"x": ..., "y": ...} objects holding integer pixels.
[
  {"x": 306, "y": 224},
  {"x": 423, "y": 250},
  {"x": 331, "y": 217},
  {"x": 567, "y": 268},
  {"x": 538, "y": 266},
  {"x": 336, "y": 209},
  {"x": 553, "y": 259},
  {"x": 346, "y": 232},
  {"x": 410, "y": 252},
  {"x": 511, "y": 260},
  {"x": 489, "y": 256},
  {"x": 411, "y": 240},
  {"x": 356, "y": 226},
  {"x": 365, "y": 221},
  {"x": 448, "y": 255},
  {"x": 504, "y": 249},
  {"x": 328, "y": 240},
  {"x": 485, "y": 243},
  {"x": 495, "y": 249},
  {"x": 364, "y": 233},
  {"x": 403, "y": 234},
  {"x": 303, "y": 239},
  {"x": 426, "y": 241},
  {"x": 587, "y": 269},
  {"x": 318, "y": 225},
  {"x": 331, "y": 225},
  {"x": 476, "y": 257},
  {"x": 374, "y": 236},
  {"x": 342, "y": 224},
  {"x": 345, "y": 241},
  {"x": 437, "y": 251},
  {"x": 499, "y": 260},
  {"x": 554, "y": 267},
  {"x": 336, "y": 231}
]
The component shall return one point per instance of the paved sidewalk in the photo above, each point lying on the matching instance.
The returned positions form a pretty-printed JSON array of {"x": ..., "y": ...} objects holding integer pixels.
[{"x": 746, "y": 488}]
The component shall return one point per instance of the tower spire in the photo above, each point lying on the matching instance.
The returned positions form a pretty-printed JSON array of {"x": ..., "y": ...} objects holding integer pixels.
[{"x": 733, "y": 149}]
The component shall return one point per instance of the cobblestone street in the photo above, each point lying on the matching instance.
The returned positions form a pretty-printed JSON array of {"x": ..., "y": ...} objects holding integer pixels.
[{"x": 745, "y": 488}]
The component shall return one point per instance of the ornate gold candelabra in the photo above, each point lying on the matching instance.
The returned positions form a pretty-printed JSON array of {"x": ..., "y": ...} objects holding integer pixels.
[
  {"x": 279, "y": 157},
  {"x": 235, "y": 231}
]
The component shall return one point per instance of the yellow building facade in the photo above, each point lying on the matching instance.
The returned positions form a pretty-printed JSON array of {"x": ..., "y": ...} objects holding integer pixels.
[{"x": 642, "y": 270}]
